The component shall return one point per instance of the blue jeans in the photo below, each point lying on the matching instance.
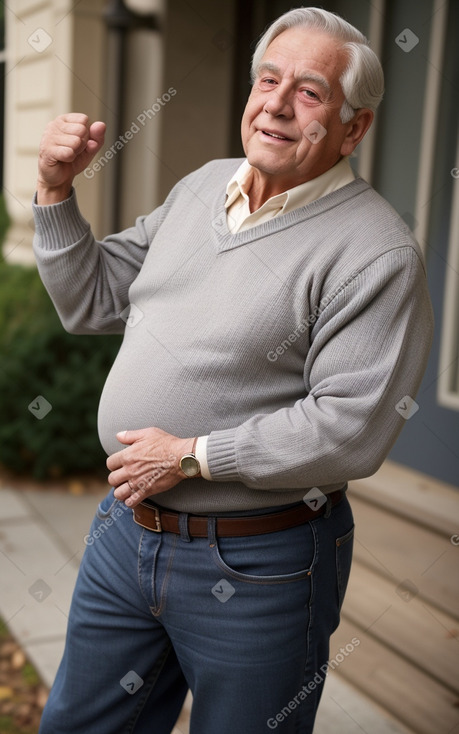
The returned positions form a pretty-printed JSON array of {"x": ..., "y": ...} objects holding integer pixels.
[{"x": 243, "y": 622}]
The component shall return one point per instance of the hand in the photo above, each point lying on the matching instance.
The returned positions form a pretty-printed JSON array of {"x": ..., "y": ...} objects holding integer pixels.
[
  {"x": 149, "y": 464},
  {"x": 68, "y": 145}
]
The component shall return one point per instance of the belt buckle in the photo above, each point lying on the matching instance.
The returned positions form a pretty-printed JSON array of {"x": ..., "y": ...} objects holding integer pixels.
[{"x": 158, "y": 528}]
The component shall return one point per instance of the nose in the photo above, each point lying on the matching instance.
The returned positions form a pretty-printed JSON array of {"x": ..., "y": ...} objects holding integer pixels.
[{"x": 278, "y": 104}]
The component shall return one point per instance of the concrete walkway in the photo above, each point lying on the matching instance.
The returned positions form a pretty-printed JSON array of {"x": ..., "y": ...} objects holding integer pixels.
[{"x": 41, "y": 546}]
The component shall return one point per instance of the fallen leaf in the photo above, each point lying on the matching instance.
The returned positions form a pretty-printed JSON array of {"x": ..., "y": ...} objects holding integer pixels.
[
  {"x": 18, "y": 660},
  {"x": 76, "y": 487},
  {"x": 5, "y": 693}
]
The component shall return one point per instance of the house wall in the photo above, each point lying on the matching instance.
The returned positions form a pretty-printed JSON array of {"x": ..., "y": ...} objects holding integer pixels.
[
  {"x": 200, "y": 44},
  {"x": 54, "y": 63},
  {"x": 175, "y": 84}
]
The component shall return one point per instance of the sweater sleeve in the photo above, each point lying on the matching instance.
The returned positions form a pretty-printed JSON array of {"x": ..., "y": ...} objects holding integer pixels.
[
  {"x": 89, "y": 280},
  {"x": 368, "y": 352}
]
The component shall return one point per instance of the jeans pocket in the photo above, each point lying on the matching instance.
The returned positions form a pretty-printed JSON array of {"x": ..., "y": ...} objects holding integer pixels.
[
  {"x": 271, "y": 558},
  {"x": 107, "y": 505},
  {"x": 344, "y": 546}
]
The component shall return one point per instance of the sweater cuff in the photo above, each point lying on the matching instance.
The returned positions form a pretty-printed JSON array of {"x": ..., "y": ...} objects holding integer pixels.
[
  {"x": 58, "y": 225},
  {"x": 201, "y": 455},
  {"x": 221, "y": 455}
]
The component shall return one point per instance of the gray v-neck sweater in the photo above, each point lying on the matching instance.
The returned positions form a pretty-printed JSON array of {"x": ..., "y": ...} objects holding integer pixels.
[{"x": 292, "y": 344}]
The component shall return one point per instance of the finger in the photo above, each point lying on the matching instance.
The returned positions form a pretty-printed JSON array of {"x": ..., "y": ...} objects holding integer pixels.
[
  {"x": 153, "y": 434},
  {"x": 63, "y": 144},
  {"x": 97, "y": 132},
  {"x": 129, "y": 437},
  {"x": 91, "y": 136},
  {"x": 72, "y": 127},
  {"x": 121, "y": 437},
  {"x": 74, "y": 117},
  {"x": 96, "y": 138},
  {"x": 131, "y": 498},
  {"x": 118, "y": 477},
  {"x": 123, "y": 492},
  {"x": 134, "y": 499},
  {"x": 115, "y": 461},
  {"x": 72, "y": 131},
  {"x": 63, "y": 151}
]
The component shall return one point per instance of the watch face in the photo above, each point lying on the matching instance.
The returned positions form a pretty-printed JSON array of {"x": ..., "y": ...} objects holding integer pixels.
[{"x": 190, "y": 465}]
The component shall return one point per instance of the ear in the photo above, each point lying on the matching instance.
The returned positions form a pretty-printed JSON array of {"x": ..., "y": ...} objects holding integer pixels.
[{"x": 357, "y": 129}]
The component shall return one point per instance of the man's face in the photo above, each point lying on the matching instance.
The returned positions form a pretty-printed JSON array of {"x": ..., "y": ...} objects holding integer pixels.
[{"x": 291, "y": 128}]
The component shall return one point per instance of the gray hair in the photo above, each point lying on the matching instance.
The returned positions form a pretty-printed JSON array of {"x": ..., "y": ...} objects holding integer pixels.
[{"x": 362, "y": 81}]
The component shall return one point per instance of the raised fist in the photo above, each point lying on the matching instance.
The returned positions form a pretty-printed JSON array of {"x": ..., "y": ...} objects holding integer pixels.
[{"x": 68, "y": 145}]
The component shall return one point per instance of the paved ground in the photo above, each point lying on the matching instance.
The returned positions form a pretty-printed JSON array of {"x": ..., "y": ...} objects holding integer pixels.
[{"x": 41, "y": 545}]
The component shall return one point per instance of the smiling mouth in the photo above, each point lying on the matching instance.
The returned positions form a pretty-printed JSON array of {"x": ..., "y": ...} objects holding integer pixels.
[{"x": 275, "y": 135}]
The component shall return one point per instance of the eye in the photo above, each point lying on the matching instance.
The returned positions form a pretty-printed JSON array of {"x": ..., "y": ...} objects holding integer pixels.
[
  {"x": 310, "y": 94},
  {"x": 267, "y": 81}
]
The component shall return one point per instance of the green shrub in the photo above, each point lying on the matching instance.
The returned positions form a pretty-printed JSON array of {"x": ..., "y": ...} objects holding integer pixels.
[
  {"x": 4, "y": 219},
  {"x": 39, "y": 358}
]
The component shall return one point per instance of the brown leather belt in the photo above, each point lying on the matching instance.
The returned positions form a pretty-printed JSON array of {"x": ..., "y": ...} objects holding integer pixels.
[{"x": 157, "y": 520}]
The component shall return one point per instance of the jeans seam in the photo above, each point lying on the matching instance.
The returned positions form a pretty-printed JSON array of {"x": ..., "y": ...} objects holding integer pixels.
[
  {"x": 341, "y": 543},
  {"x": 312, "y": 588},
  {"x": 104, "y": 514},
  {"x": 157, "y": 611},
  {"x": 148, "y": 686},
  {"x": 139, "y": 567}
]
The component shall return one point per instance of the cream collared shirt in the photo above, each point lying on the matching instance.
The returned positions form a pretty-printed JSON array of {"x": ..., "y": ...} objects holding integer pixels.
[
  {"x": 238, "y": 212},
  {"x": 239, "y": 217}
]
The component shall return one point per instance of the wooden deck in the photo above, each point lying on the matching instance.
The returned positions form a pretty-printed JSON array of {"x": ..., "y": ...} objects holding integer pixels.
[
  {"x": 403, "y": 599},
  {"x": 402, "y": 603}
]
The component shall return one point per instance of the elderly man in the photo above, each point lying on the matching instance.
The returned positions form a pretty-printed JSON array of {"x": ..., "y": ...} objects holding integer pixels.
[{"x": 279, "y": 312}]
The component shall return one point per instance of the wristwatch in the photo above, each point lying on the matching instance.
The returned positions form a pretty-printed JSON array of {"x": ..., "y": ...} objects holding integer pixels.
[{"x": 189, "y": 463}]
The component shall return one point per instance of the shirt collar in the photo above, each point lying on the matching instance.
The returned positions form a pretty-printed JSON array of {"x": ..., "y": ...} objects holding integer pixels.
[{"x": 336, "y": 177}]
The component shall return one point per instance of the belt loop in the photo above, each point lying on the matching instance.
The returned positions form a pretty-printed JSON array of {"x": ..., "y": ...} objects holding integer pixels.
[
  {"x": 183, "y": 527},
  {"x": 328, "y": 507},
  {"x": 211, "y": 530}
]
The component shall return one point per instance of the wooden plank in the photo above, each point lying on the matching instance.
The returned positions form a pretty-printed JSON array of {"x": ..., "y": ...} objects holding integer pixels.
[
  {"x": 406, "y": 692},
  {"x": 405, "y": 623},
  {"x": 401, "y": 550},
  {"x": 344, "y": 710},
  {"x": 414, "y": 495}
]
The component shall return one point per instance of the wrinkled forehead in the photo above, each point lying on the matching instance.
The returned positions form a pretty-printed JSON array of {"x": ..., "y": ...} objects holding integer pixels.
[{"x": 306, "y": 52}]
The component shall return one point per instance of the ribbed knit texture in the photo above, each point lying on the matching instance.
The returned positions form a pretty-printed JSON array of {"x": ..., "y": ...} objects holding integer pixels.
[{"x": 290, "y": 343}]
